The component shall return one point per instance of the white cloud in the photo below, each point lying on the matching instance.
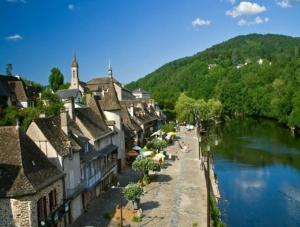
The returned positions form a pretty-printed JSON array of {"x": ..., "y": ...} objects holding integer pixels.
[
  {"x": 15, "y": 37},
  {"x": 287, "y": 3},
  {"x": 200, "y": 22},
  {"x": 246, "y": 9},
  {"x": 257, "y": 20},
  {"x": 71, "y": 7}
]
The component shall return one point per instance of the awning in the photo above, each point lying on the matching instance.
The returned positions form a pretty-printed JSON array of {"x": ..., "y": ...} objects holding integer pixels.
[
  {"x": 132, "y": 153},
  {"x": 108, "y": 150}
]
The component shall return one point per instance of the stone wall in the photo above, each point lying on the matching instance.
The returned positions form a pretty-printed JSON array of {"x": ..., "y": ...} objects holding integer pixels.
[{"x": 22, "y": 212}]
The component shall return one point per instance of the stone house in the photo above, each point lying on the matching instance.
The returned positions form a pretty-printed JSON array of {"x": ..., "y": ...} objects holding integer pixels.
[
  {"x": 14, "y": 92},
  {"x": 141, "y": 94},
  {"x": 144, "y": 115},
  {"x": 99, "y": 158},
  {"x": 104, "y": 93},
  {"x": 133, "y": 132},
  {"x": 53, "y": 135},
  {"x": 75, "y": 94},
  {"x": 31, "y": 187}
]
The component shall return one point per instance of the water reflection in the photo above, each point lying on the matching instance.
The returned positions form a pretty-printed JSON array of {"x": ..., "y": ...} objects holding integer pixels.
[
  {"x": 258, "y": 168},
  {"x": 259, "y": 143}
]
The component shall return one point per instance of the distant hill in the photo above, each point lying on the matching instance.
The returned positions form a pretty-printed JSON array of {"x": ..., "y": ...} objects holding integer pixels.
[{"x": 252, "y": 74}]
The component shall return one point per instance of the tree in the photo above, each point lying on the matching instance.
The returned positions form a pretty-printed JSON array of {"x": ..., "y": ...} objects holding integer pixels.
[
  {"x": 159, "y": 144},
  {"x": 56, "y": 79},
  {"x": 50, "y": 104},
  {"x": 144, "y": 165},
  {"x": 133, "y": 192},
  {"x": 184, "y": 108},
  {"x": 170, "y": 127}
]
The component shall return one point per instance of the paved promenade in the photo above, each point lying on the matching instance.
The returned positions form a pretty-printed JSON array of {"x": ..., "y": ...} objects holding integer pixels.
[
  {"x": 178, "y": 197},
  {"x": 175, "y": 198}
]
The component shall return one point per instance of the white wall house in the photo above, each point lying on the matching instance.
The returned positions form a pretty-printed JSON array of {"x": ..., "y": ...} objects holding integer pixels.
[{"x": 52, "y": 136}]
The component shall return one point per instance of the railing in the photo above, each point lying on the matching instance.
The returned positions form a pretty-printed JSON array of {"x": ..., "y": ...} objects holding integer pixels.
[
  {"x": 73, "y": 192},
  {"x": 108, "y": 168},
  {"x": 89, "y": 183}
]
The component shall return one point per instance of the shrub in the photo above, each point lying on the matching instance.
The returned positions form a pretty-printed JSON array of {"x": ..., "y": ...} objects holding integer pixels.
[
  {"x": 133, "y": 192},
  {"x": 136, "y": 219}
]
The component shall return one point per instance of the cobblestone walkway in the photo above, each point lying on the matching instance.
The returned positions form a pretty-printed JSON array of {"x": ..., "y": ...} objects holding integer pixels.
[{"x": 175, "y": 198}]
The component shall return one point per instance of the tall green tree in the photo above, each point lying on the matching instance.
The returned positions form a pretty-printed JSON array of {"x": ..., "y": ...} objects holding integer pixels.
[
  {"x": 56, "y": 79},
  {"x": 184, "y": 108}
]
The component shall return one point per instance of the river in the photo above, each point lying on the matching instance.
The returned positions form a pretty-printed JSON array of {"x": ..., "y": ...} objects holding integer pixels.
[{"x": 257, "y": 164}]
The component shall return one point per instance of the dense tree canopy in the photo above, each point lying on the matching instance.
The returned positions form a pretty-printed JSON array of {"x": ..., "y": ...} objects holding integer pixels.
[
  {"x": 187, "y": 109},
  {"x": 257, "y": 75},
  {"x": 56, "y": 79}
]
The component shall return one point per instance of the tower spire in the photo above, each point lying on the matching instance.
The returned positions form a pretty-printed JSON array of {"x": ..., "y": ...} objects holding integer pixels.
[
  {"x": 110, "y": 73},
  {"x": 74, "y": 62}
]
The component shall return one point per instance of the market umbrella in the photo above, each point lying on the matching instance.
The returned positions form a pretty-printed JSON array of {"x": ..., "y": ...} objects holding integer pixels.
[
  {"x": 136, "y": 148},
  {"x": 172, "y": 133},
  {"x": 132, "y": 153},
  {"x": 157, "y": 133},
  {"x": 147, "y": 153},
  {"x": 143, "y": 150}
]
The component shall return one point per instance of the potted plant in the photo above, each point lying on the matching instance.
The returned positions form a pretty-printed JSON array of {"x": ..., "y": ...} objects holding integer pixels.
[{"x": 133, "y": 193}]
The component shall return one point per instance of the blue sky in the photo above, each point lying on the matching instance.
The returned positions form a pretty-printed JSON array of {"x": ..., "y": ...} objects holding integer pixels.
[{"x": 138, "y": 36}]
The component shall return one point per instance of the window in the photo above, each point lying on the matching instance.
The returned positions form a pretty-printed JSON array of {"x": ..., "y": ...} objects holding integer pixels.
[
  {"x": 42, "y": 209},
  {"x": 52, "y": 200}
]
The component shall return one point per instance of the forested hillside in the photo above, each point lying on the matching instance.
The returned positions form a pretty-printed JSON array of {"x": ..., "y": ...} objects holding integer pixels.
[{"x": 253, "y": 74}]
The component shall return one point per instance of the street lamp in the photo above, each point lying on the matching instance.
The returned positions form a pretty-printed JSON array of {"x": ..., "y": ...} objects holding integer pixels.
[{"x": 118, "y": 187}]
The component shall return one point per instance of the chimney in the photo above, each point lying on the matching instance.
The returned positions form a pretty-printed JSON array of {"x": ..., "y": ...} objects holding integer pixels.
[
  {"x": 70, "y": 106},
  {"x": 64, "y": 121},
  {"x": 131, "y": 110}
]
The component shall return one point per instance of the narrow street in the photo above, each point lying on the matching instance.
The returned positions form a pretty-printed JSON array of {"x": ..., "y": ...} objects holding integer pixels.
[{"x": 176, "y": 196}]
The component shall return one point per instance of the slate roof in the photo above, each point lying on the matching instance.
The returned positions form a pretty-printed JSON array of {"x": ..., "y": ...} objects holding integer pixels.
[
  {"x": 144, "y": 116},
  {"x": 139, "y": 90},
  {"x": 18, "y": 89},
  {"x": 129, "y": 124},
  {"x": 51, "y": 128},
  {"x": 15, "y": 87},
  {"x": 93, "y": 122},
  {"x": 24, "y": 169},
  {"x": 67, "y": 93},
  {"x": 109, "y": 101},
  {"x": 127, "y": 95}
]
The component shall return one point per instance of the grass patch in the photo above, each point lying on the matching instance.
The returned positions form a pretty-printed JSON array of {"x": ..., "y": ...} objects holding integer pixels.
[
  {"x": 215, "y": 213},
  {"x": 136, "y": 219},
  {"x": 195, "y": 224}
]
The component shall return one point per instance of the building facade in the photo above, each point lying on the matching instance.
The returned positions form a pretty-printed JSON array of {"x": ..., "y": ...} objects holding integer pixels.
[{"x": 31, "y": 187}]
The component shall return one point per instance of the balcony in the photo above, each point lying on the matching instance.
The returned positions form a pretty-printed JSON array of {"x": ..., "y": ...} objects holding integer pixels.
[{"x": 73, "y": 192}]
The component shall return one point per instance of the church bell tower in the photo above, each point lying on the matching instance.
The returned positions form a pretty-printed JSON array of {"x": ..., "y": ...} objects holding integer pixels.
[{"x": 74, "y": 71}]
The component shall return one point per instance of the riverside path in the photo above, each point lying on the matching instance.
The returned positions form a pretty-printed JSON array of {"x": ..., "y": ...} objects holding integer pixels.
[{"x": 178, "y": 197}]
